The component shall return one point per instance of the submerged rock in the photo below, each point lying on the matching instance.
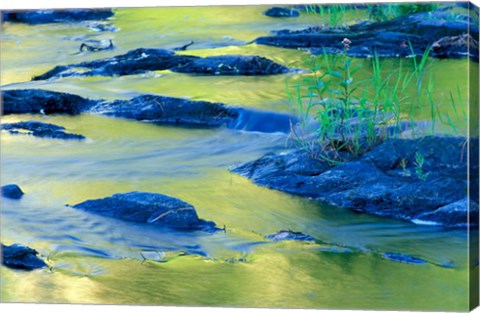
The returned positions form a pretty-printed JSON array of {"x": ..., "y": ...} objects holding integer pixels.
[
  {"x": 12, "y": 192},
  {"x": 101, "y": 26},
  {"x": 403, "y": 258},
  {"x": 290, "y": 235},
  {"x": 97, "y": 45},
  {"x": 390, "y": 181},
  {"x": 142, "y": 60},
  {"x": 39, "y": 129},
  {"x": 400, "y": 37},
  {"x": 20, "y": 101},
  {"x": 152, "y": 208},
  {"x": 34, "y": 17},
  {"x": 281, "y": 12},
  {"x": 262, "y": 121},
  {"x": 18, "y": 256}
]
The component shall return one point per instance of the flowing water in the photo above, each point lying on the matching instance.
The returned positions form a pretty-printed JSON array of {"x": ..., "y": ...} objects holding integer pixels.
[{"x": 96, "y": 259}]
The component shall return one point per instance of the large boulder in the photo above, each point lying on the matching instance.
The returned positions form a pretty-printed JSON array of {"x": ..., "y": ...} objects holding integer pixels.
[
  {"x": 418, "y": 180},
  {"x": 12, "y": 192},
  {"x": 34, "y": 17},
  {"x": 142, "y": 60},
  {"x": 18, "y": 256},
  {"x": 151, "y": 208},
  {"x": 20, "y": 101},
  {"x": 39, "y": 129}
]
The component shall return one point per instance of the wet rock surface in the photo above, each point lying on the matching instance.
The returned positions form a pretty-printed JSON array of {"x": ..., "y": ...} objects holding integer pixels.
[
  {"x": 12, "y": 192},
  {"x": 387, "y": 181},
  {"x": 281, "y": 12},
  {"x": 388, "y": 39},
  {"x": 39, "y": 129},
  {"x": 232, "y": 65},
  {"x": 168, "y": 110},
  {"x": 290, "y": 235},
  {"x": 142, "y": 60},
  {"x": 403, "y": 258},
  {"x": 455, "y": 47},
  {"x": 151, "y": 208},
  {"x": 34, "y": 17},
  {"x": 21, "y": 101},
  {"x": 18, "y": 256}
]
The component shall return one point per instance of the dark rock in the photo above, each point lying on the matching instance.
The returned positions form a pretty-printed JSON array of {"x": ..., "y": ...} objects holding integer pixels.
[
  {"x": 290, "y": 235},
  {"x": 386, "y": 39},
  {"x": 168, "y": 110},
  {"x": 318, "y": 8},
  {"x": 455, "y": 47},
  {"x": 18, "y": 256},
  {"x": 12, "y": 192},
  {"x": 403, "y": 258},
  {"x": 387, "y": 181},
  {"x": 458, "y": 214},
  {"x": 20, "y": 101},
  {"x": 137, "y": 61},
  {"x": 183, "y": 47},
  {"x": 142, "y": 60},
  {"x": 34, "y": 17},
  {"x": 39, "y": 129},
  {"x": 231, "y": 65},
  {"x": 97, "y": 45},
  {"x": 281, "y": 12},
  {"x": 152, "y": 208}
]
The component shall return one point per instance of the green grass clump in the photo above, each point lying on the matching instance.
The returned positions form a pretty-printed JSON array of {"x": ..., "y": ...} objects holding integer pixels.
[
  {"x": 334, "y": 15},
  {"x": 385, "y": 12},
  {"x": 343, "y": 115}
]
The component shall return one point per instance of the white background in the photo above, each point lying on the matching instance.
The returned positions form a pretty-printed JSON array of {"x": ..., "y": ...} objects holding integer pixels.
[{"x": 32, "y": 4}]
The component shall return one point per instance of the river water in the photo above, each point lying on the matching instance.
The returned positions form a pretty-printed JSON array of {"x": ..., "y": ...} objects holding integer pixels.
[{"x": 100, "y": 260}]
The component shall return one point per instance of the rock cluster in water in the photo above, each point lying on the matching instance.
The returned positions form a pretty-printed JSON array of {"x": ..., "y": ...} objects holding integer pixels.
[
  {"x": 147, "y": 108},
  {"x": 151, "y": 208},
  {"x": 40, "y": 129},
  {"x": 404, "y": 36},
  {"x": 387, "y": 181}
]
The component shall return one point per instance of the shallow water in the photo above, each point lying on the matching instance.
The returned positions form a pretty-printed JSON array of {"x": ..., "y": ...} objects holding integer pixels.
[{"x": 99, "y": 260}]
